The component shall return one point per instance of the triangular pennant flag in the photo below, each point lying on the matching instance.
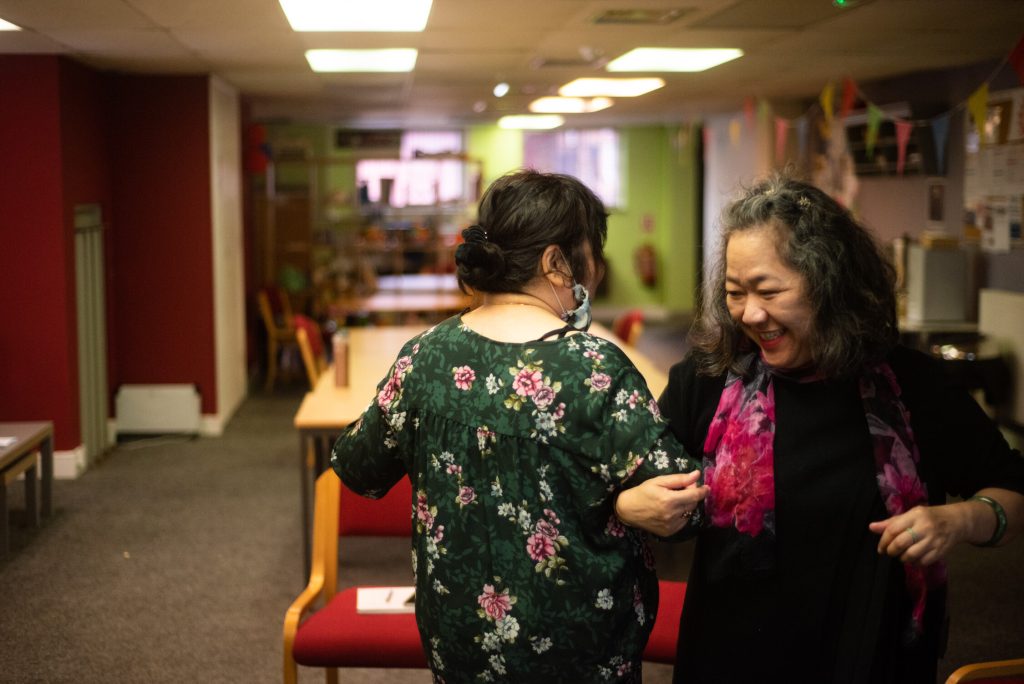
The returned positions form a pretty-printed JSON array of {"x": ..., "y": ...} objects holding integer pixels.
[
  {"x": 801, "y": 136},
  {"x": 849, "y": 97},
  {"x": 940, "y": 133},
  {"x": 903, "y": 129},
  {"x": 871, "y": 137},
  {"x": 781, "y": 132},
  {"x": 826, "y": 98},
  {"x": 1016, "y": 60},
  {"x": 764, "y": 110},
  {"x": 977, "y": 105},
  {"x": 748, "y": 111},
  {"x": 735, "y": 128}
]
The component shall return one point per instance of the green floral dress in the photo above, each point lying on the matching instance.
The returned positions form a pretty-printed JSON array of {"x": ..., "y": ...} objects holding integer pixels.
[{"x": 514, "y": 451}]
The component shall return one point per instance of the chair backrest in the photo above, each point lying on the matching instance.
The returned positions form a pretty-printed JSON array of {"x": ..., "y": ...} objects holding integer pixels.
[
  {"x": 311, "y": 345},
  {"x": 991, "y": 672},
  {"x": 275, "y": 309},
  {"x": 389, "y": 516},
  {"x": 628, "y": 326}
]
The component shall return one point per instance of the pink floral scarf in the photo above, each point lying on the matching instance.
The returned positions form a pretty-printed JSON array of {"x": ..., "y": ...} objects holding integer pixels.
[{"x": 739, "y": 463}]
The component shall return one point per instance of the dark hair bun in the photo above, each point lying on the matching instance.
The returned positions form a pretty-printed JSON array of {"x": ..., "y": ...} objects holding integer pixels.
[{"x": 480, "y": 264}]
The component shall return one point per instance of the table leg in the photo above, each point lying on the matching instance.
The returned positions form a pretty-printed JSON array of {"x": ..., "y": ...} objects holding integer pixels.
[
  {"x": 31, "y": 505},
  {"x": 46, "y": 451},
  {"x": 5, "y": 540}
]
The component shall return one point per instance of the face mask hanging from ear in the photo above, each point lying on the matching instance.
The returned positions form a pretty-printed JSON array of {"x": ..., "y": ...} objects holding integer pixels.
[{"x": 580, "y": 317}]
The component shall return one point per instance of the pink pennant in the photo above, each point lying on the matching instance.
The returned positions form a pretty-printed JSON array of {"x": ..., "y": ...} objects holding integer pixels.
[
  {"x": 781, "y": 131},
  {"x": 849, "y": 97},
  {"x": 748, "y": 111},
  {"x": 903, "y": 129},
  {"x": 1016, "y": 60}
]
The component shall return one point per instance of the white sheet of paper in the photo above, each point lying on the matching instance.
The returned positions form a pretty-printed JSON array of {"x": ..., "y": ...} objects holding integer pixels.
[{"x": 385, "y": 600}]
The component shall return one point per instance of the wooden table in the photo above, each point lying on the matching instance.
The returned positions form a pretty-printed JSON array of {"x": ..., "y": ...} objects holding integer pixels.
[
  {"x": 328, "y": 409},
  {"x": 418, "y": 282},
  {"x": 398, "y": 303},
  {"x": 20, "y": 457}
]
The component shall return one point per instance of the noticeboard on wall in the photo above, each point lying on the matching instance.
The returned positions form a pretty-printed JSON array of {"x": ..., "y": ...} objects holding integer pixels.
[{"x": 994, "y": 173}]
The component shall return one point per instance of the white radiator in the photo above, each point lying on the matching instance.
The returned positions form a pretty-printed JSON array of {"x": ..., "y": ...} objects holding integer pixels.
[{"x": 157, "y": 409}]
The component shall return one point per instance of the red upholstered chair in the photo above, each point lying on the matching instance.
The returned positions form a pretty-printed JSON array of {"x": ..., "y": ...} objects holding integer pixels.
[
  {"x": 661, "y": 647},
  {"x": 276, "y": 313},
  {"x": 992, "y": 672},
  {"x": 335, "y": 635},
  {"x": 628, "y": 326},
  {"x": 311, "y": 346}
]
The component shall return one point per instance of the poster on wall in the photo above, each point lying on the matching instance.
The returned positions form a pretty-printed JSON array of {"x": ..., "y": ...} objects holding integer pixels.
[{"x": 994, "y": 174}]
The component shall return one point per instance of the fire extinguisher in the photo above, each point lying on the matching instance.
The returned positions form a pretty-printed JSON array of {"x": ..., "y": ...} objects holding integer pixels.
[{"x": 645, "y": 262}]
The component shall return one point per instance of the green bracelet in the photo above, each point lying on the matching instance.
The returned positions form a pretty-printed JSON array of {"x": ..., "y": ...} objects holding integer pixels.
[{"x": 997, "y": 508}]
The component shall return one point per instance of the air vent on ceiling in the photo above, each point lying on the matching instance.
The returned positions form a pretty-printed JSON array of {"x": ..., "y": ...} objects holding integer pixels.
[{"x": 641, "y": 16}]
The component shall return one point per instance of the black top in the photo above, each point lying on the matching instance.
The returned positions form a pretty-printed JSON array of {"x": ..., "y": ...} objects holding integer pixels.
[{"x": 823, "y": 606}]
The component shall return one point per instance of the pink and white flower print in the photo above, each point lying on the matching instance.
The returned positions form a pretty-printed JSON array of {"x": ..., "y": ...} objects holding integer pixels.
[{"x": 464, "y": 377}]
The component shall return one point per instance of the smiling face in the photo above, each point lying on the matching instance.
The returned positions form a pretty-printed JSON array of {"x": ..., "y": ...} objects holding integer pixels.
[{"x": 767, "y": 298}]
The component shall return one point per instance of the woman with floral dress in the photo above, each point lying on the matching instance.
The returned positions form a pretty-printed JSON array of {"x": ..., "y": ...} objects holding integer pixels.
[
  {"x": 517, "y": 429},
  {"x": 828, "y": 450}
]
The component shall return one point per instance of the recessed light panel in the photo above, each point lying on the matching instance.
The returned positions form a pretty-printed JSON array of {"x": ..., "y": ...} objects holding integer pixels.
[
  {"x": 569, "y": 105},
  {"x": 8, "y": 26},
  {"x": 672, "y": 59},
  {"x": 610, "y": 87},
  {"x": 379, "y": 61},
  {"x": 531, "y": 122},
  {"x": 350, "y": 15}
]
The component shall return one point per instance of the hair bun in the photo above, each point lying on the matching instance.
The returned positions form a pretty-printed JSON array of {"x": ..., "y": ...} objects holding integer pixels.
[{"x": 480, "y": 264}]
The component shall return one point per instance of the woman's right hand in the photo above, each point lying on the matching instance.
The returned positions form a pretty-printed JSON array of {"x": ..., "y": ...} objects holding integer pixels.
[{"x": 661, "y": 505}]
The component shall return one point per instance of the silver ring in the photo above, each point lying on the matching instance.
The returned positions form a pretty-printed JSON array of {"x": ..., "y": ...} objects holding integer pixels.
[{"x": 913, "y": 535}]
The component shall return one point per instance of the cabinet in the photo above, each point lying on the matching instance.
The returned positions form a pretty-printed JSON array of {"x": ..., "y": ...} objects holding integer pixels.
[{"x": 319, "y": 236}]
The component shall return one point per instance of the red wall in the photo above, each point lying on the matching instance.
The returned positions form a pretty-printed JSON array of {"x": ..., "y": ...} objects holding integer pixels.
[
  {"x": 138, "y": 146},
  {"x": 38, "y": 332},
  {"x": 162, "y": 240}
]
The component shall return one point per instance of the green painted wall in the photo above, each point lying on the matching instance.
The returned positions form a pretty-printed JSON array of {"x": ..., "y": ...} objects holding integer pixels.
[
  {"x": 499, "y": 149},
  {"x": 660, "y": 209}
]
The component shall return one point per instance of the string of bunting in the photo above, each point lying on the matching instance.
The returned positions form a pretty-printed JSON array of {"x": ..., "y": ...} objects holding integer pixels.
[{"x": 976, "y": 104}]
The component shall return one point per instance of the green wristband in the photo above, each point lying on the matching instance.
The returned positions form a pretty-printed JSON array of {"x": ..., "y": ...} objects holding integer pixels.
[{"x": 997, "y": 508}]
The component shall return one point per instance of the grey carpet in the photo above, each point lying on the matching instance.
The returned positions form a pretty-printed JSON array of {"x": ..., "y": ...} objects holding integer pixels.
[{"x": 174, "y": 561}]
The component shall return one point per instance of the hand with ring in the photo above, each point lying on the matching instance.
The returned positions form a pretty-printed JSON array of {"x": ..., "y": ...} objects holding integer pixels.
[{"x": 924, "y": 534}]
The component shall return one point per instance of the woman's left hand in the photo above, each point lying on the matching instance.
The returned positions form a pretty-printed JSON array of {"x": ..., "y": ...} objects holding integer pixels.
[{"x": 924, "y": 534}]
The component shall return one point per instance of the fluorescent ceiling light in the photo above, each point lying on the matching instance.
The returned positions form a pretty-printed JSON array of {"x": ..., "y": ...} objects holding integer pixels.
[
  {"x": 672, "y": 59},
  {"x": 501, "y": 90},
  {"x": 539, "y": 122},
  {"x": 390, "y": 60},
  {"x": 569, "y": 105},
  {"x": 610, "y": 87},
  {"x": 8, "y": 26},
  {"x": 352, "y": 15}
]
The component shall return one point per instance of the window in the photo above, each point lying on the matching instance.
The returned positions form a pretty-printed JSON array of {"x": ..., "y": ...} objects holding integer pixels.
[
  {"x": 430, "y": 170},
  {"x": 592, "y": 155}
]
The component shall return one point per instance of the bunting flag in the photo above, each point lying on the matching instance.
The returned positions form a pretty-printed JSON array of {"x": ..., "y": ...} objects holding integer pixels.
[
  {"x": 826, "y": 98},
  {"x": 940, "y": 133},
  {"x": 781, "y": 133},
  {"x": 748, "y": 111},
  {"x": 871, "y": 137},
  {"x": 735, "y": 128},
  {"x": 764, "y": 110},
  {"x": 801, "y": 136},
  {"x": 1016, "y": 60},
  {"x": 977, "y": 105},
  {"x": 903, "y": 129},
  {"x": 849, "y": 97}
]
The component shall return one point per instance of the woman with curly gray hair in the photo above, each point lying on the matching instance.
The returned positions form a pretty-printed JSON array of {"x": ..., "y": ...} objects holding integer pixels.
[{"x": 828, "y": 451}]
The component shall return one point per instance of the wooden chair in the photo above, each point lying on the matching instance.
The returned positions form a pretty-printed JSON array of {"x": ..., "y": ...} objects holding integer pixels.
[
  {"x": 628, "y": 326},
  {"x": 336, "y": 635},
  {"x": 276, "y": 312},
  {"x": 992, "y": 672},
  {"x": 311, "y": 346}
]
